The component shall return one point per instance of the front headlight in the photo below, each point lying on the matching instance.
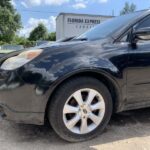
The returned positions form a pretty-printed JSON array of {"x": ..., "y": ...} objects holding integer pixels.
[{"x": 20, "y": 60}]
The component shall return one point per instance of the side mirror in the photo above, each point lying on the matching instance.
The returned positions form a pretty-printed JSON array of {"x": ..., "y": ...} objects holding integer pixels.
[{"x": 141, "y": 34}]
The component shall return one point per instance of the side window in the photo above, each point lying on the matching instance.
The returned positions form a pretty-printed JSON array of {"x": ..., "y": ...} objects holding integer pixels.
[
  {"x": 125, "y": 38},
  {"x": 144, "y": 24}
]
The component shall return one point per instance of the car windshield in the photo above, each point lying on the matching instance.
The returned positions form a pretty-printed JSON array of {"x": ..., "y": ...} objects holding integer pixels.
[{"x": 104, "y": 29}]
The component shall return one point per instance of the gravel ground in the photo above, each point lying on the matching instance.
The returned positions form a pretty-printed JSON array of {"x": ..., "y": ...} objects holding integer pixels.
[{"x": 128, "y": 130}]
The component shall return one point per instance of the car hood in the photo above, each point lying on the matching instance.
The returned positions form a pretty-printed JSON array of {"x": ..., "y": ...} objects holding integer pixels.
[
  {"x": 60, "y": 59},
  {"x": 76, "y": 47}
]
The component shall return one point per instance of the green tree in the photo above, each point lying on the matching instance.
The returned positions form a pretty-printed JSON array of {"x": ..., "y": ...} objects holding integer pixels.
[
  {"x": 10, "y": 21},
  {"x": 52, "y": 36},
  {"x": 18, "y": 40},
  {"x": 7, "y": 4},
  {"x": 128, "y": 8},
  {"x": 39, "y": 33}
]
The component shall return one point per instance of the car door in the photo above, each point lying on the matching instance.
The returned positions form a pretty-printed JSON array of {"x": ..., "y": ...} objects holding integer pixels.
[{"x": 138, "y": 73}]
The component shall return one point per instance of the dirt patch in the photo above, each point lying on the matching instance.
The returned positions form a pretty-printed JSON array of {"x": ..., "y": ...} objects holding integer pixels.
[{"x": 128, "y": 130}]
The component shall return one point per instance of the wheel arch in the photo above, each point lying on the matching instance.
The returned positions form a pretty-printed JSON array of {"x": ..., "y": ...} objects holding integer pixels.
[{"x": 108, "y": 81}]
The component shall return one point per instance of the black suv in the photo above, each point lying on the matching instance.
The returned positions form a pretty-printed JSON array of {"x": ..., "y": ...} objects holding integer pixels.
[{"x": 78, "y": 83}]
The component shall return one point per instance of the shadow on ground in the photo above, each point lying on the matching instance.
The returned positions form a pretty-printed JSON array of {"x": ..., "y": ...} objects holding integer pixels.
[{"x": 122, "y": 126}]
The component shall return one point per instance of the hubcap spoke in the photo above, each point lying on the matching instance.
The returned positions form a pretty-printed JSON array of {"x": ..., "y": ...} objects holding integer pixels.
[
  {"x": 84, "y": 126},
  {"x": 94, "y": 118},
  {"x": 91, "y": 96},
  {"x": 97, "y": 106},
  {"x": 78, "y": 97},
  {"x": 71, "y": 123},
  {"x": 70, "y": 109},
  {"x": 80, "y": 108}
]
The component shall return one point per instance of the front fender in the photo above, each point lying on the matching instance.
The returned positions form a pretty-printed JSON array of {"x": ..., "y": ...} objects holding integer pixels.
[{"x": 45, "y": 73}]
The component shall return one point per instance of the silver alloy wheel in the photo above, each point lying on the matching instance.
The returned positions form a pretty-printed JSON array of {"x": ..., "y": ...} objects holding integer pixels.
[{"x": 84, "y": 111}]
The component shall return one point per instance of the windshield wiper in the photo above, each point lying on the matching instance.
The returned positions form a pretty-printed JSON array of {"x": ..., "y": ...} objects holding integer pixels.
[{"x": 81, "y": 39}]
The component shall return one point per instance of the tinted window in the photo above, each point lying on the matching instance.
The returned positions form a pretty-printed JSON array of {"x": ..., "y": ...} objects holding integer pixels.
[
  {"x": 145, "y": 23},
  {"x": 110, "y": 26}
]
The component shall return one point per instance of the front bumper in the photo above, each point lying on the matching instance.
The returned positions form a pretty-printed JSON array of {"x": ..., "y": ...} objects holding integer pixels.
[
  {"x": 19, "y": 117},
  {"x": 21, "y": 102}
]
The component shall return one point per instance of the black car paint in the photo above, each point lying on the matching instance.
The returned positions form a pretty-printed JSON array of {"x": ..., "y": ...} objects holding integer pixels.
[{"x": 26, "y": 91}]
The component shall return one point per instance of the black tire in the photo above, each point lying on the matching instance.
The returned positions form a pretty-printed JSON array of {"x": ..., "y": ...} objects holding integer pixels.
[{"x": 55, "y": 111}]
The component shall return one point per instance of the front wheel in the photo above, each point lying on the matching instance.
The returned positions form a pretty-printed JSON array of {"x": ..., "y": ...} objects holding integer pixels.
[{"x": 80, "y": 109}]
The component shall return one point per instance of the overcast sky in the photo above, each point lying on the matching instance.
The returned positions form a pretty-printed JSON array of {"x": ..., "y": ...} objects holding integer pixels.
[{"x": 45, "y": 11}]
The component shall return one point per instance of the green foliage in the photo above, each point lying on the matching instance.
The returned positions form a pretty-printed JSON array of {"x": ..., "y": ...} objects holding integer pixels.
[
  {"x": 29, "y": 43},
  {"x": 128, "y": 8},
  {"x": 52, "y": 36},
  {"x": 23, "y": 41},
  {"x": 19, "y": 40},
  {"x": 39, "y": 33},
  {"x": 7, "y": 4},
  {"x": 3, "y": 43},
  {"x": 10, "y": 21}
]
